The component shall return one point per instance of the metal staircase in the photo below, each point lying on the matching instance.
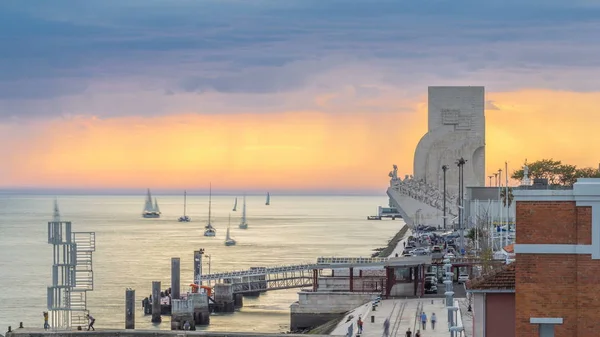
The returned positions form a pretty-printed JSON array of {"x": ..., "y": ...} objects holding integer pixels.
[{"x": 72, "y": 273}]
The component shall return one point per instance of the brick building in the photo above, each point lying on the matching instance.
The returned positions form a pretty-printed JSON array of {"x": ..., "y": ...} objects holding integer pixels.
[
  {"x": 558, "y": 261},
  {"x": 493, "y": 303}
]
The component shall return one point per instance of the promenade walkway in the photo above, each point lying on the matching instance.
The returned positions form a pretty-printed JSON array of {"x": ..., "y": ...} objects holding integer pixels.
[{"x": 403, "y": 314}]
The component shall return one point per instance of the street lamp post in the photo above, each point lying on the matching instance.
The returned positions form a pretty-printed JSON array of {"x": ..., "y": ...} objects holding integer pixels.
[
  {"x": 460, "y": 163},
  {"x": 490, "y": 180},
  {"x": 444, "y": 168},
  {"x": 208, "y": 256}
]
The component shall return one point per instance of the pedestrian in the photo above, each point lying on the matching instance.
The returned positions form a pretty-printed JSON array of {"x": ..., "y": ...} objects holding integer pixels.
[
  {"x": 359, "y": 324},
  {"x": 408, "y": 333},
  {"x": 433, "y": 320},
  {"x": 418, "y": 334},
  {"x": 424, "y": 320},
  {"x": 46, "y": 325},
  {"x": 350, "y": 330},
  {"x": 91, "y": 321},
  {"x": 186, "y": 325},
  {"x": 386, "y": 327}
]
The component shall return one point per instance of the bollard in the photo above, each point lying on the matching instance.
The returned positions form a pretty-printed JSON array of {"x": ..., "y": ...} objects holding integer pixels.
[
  {"x": 175, "y": 278},
  {"x": 372, "y": 318},
  {"x": 374, "y": 308},
  {"x": 129, "y": 308},
  {"x": 20, "y": 325},
  {"x": 156, "y": 302},
  {"x": 9, "y": 328}
]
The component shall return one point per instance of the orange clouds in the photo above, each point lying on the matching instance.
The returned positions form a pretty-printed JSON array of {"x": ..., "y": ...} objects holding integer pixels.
[{"x": 294, "y": 150}]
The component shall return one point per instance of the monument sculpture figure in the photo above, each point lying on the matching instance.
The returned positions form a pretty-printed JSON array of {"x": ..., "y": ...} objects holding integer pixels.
[{"x": 456, "y": 128}]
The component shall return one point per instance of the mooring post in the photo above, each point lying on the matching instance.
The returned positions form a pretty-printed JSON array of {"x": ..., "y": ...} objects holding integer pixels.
[
  {"x": 175, "y": 278},
  {"x": 156, "y": 302},
  {"x": 129, "y": 308}
]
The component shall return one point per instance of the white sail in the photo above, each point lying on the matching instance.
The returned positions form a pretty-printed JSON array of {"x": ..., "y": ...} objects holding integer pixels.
[
  {"x": 235, "y": 205},
  {"x": 209, "y": 205},
  {"x": 227, "y": 235},
  {"x": 56, "y": 213},
  {"x": 156, "y": 209},
  {"x": 243, "y": 223},
  {"x": 148, "y": 207},
  {"x": 268, "y": 199}
]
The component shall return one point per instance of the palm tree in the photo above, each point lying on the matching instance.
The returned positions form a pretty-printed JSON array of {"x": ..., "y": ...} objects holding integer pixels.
[{"x": 510, "y": 196}]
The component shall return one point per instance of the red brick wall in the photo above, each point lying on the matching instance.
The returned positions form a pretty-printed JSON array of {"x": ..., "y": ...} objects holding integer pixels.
[
  {"x": 552, "y": 285},
  {"x": 499, "y": 315}
]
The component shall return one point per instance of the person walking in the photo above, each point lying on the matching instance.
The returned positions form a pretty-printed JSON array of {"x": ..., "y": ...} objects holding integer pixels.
[
  {"x": 424, "y": 320},
  {"x": 418, "y": 334},
  {"x": 408, "y": 333},
  {"x": 350, "y": 330},
  {"x": 386, "y": 327},
  {"x": 359, "y": 324},
  {"x": 91, "y": 321},
  {"x": 46, "y": 325},
  {"x": 433, "y": 320}
]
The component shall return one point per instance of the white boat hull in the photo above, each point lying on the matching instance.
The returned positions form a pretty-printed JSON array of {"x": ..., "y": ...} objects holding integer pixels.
[
  {"x": 230, "y": 243},
  {"x": 184, "y": 219},
  {"x": 151, "y": 215},
  {"x": 244, "y": 226},
  {"x": 210, "y": 233}
]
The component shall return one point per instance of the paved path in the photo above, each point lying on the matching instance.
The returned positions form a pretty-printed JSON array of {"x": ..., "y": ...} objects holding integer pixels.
[{"x": 403, "y": 314}]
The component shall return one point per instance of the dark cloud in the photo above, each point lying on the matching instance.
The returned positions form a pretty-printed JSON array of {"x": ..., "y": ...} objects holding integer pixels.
[{"x": 55, "y": 49}]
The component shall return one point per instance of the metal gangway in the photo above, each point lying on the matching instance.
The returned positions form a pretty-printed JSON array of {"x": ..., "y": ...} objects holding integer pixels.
[
  {"x": 72, "y": 273},
  {"x": 285, "y": 277}
]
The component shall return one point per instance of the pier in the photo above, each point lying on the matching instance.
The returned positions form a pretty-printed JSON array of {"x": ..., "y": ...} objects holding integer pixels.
[{"x": 25, "y": 332}]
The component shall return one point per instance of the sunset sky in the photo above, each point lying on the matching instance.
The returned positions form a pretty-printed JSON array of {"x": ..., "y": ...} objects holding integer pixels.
[{"x": 282, "y": 94}]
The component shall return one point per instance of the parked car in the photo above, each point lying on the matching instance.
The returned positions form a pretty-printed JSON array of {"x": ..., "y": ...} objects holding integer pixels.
[
  {"x": 436, "y": 249},
  {"x": 449, "y": 256},
  {"x": 431, "y": 288},
  {"x": 462, "y": 278}
]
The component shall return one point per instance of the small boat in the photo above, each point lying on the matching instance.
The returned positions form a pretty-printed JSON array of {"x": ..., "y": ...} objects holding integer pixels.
[
  {"x": 268, "y": 199},
  {"x": 184, "y": 218},
  {"x": 209, "y": 230},
  {"x": 235, "y": 205},
  {"x": 243, "y": 222},
  {"x": 151, "y": 210},
  {"x": 228, "y": 240}
]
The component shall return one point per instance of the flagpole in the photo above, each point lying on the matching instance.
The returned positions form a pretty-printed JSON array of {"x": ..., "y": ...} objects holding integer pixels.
[{"x": 507, "y": 199}]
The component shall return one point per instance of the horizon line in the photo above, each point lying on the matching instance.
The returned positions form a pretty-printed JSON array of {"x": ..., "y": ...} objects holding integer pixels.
[{"x": 173, "y": 191}]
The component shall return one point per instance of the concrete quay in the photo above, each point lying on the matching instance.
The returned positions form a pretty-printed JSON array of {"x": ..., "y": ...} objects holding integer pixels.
[
  {"x": 27, "y": 332},
  {"x": 403, "y": 315}
]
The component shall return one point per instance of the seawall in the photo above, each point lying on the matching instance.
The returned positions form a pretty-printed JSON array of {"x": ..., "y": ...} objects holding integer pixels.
[
  {"x": 393, "y": 242},
  {"x": 140, "y": 333}
]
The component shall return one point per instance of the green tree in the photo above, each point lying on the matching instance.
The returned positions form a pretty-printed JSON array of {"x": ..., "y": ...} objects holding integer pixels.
[{"x": 556, "y": 172}]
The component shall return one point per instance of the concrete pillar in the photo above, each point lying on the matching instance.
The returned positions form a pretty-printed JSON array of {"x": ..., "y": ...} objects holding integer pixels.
[
  {"x": 224, "y": 300},
  {"x": 351, "y": 279},
  {"x": 175, "y": 278},
  {"x": 129, "y": 309},
  {"x": 238, "y": 300},
  {"x": 316, "y": 280},
  {"x": 198, "y": 265},
  {"x": 156, "y": 302}
]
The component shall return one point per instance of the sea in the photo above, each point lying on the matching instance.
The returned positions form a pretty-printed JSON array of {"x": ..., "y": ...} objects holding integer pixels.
[{"x": 131, "y": 251}]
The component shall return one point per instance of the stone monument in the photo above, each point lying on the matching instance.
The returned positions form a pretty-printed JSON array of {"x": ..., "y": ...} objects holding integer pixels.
[{"x": 456, "y": 128}]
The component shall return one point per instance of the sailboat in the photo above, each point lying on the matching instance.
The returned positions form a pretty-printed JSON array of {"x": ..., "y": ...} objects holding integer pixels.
[
  {"x": 235, "y": 205},
  {"x": 209, "y": 230},
  {"x": 151, "y": 210},
  {"x": 243, "y": 222},
  {"x": 228, "y": 240},
  {"x": 184, "y": 218},
  {"x": 268, "y": 199}
]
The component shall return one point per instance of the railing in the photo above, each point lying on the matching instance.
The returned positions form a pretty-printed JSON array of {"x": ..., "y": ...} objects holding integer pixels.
[{"x": 350, "y": 260}]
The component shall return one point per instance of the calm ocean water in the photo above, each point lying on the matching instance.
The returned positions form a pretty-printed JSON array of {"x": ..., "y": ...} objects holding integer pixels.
[{"x": 132, "y": 251}]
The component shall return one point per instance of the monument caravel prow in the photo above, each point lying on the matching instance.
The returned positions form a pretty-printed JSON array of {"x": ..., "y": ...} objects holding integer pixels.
[{"x": 456, "y": 128}]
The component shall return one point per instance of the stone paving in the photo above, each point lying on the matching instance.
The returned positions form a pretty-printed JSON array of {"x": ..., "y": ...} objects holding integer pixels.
[{"x": 402, "y": 314}]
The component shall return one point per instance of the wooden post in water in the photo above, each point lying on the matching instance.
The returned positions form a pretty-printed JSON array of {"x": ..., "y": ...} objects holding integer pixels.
[
  {"x": 129, "y": 309},
  {"x": 156, "y": 302},
  {"x": 175, "y": 278}
]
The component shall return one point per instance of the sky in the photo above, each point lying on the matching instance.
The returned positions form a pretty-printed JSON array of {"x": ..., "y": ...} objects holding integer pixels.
[{"x": 291, "y": 94}]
